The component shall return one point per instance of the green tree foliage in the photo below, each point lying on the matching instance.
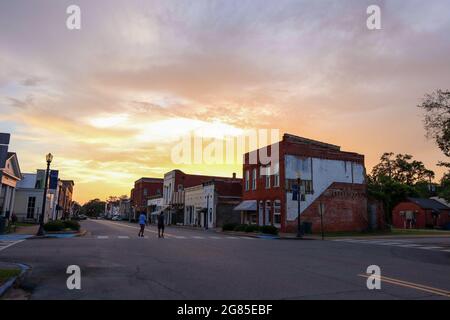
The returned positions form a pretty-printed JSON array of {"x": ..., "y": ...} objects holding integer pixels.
[
  {"x": 397, "y": 177},
  {"x": 93, "y": 208},
  {"x": 437, "y": 118},
  {"x": 402, "y": 168},
  {"x": 444, "y": 191}
]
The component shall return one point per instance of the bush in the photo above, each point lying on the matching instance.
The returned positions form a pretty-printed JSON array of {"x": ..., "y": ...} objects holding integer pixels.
[
  {"x": 229, "y": 226},
  {"x": 72, "y": 225},
  {"x": 252, "y": 228},
  {"x": 54, "y": 226},
  {"x": 241, "y": 227},
  {"x": 269, "y": 230}
]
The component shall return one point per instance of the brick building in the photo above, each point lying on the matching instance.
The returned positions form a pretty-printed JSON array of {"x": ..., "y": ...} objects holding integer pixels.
[
  {"x": 210, "y": 205},
  {"x": 175, "y": 182},
  {"x": 143, "y": 190},
  {"x": 419, "y": 213},
  {"x": 328, "y": 175}
]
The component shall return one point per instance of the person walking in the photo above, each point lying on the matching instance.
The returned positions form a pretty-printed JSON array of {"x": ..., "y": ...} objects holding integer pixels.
[
  {"x": 142, "y": 223},
  {"x": 161, "y": 225}
]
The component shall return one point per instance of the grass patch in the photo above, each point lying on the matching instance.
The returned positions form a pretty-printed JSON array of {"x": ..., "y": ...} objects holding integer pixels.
[
  {"x": 24, "y": 224},
  {"x": 6, "y": 274}
]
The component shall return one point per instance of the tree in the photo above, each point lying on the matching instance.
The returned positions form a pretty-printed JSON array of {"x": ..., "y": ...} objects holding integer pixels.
[
  {"x": 397, "y": 177},
  {"x": 93, "y": 208},
  {"x": 437, "y": 118},
  {"x": 402, "y": 168},
  {"x": 444, "y": 191}
]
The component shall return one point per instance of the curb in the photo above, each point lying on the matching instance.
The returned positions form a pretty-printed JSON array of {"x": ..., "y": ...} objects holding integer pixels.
[
  {"x": 251, "y": 235},
  {"x": 55, "y": 235},
  {"x": 8, "y": 284}
]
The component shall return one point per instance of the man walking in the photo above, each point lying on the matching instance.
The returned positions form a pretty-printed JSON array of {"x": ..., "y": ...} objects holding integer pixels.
[
  {"x": 142, "y": 223},
  {"x": 161, "y": 225}
]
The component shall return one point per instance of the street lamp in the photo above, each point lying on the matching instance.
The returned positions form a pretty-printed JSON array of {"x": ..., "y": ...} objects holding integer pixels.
[
  {"x": 299, "y": 199},
  {"x": 41, "y": 232}
]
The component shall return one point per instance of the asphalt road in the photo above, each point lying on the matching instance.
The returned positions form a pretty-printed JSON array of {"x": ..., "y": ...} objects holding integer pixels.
[{"x": 188, "y": 264}]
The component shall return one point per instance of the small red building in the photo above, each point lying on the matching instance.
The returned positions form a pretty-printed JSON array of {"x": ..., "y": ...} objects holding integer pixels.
[
  {"x": 420, "y": 213},
  {"x": 143, "y": 190}
]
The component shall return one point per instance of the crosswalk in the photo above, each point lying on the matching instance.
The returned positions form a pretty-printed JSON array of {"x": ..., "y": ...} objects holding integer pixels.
[
  {"x": 8, "y": 243},
  {"x": 398, "y": 243},
  {"x": 177, "y": 237}
]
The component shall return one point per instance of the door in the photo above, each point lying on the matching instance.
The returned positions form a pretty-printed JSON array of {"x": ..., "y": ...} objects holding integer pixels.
[
  {"x": 267, "y": 217},
  {"x": 261, "y": 213}
]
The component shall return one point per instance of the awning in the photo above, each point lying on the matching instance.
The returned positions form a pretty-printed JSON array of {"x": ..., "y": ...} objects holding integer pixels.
[
  {"x": 246, "y": 205},
  {"x": 154, "y": 213}
]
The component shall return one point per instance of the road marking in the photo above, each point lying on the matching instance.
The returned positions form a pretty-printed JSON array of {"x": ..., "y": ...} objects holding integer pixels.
[
  {"x": 127, "y": 226},
  {"x": 232, "y": 237},
  {"x": 123, "y": 237},
  {"x": 429, "y": 248},
  {"x": 408, "y": 245},
  {"x": 412, "y": 285},
  {"x": 446, "y": 250},
  {"x": 102, "y": 237},
  {"x": 180, "y": 237},
  {"x": 7, "y": 244},
  {"x": 247, "y": 238},
  {"x": 198, "y": 237},
  {"x": 213, "y": 237}
]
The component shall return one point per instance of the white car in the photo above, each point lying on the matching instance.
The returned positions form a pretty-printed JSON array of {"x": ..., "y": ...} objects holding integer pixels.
[{"x": 116, "y": 218}]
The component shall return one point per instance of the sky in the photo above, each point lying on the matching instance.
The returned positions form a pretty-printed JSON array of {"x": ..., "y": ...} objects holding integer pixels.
[{"x": 111, "y": 100}]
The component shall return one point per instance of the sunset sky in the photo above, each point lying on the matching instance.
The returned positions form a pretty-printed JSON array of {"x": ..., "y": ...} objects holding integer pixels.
[{"x": 110, "y": 100}]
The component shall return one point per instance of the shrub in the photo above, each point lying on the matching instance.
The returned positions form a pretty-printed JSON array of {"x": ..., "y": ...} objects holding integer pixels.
[
  {"x": 72, "y": 225},
  {"x": 240, "y": 227},
  {"x": 54, "y": 226},
  {"x": 229, "y": 226},
  {"x": 269, "y": 230},
  {"x": 252, "y": 228}
]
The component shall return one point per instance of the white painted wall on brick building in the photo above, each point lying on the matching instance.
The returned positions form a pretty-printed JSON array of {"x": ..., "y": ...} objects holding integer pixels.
[{"x": 324, "y": 173}]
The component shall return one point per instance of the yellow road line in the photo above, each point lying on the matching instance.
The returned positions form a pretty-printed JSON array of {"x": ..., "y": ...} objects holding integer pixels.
[{"x": 412, "y": 285}]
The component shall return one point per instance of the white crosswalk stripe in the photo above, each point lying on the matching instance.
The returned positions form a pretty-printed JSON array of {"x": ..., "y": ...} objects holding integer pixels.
[
  {"x": 396, "y": 243},
  {"x": 102, "y": 237},
  {"x": 123, "y": 237},
  {"x": 179, "y": 237},
  {"x": 8, "y": 243}
]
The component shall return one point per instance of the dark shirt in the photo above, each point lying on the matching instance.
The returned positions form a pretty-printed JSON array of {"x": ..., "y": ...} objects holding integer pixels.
[{"x": 160, "y": 220}]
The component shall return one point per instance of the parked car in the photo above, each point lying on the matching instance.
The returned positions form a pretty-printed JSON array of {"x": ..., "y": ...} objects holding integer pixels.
[
  {"x": 82, "y": 217},
  {"x": 116, "y": 218}
]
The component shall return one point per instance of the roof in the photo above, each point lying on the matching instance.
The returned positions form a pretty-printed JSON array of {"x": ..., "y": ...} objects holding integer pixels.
[
  {"x": 28, "y": 181},
  {"x": 429, "y": 204}
]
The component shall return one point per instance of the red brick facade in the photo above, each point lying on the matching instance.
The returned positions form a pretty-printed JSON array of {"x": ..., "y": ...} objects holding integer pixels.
[
  {"x": 423, "y": 217},
  {"x": 145, "y": 188},
  {"x": 345, "y": 203}
]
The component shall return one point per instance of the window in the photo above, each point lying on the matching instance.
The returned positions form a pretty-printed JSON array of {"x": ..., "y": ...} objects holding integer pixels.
[
  {"x": 276, "y": 176},
  {"x": 247, "y": 180},
  {"x": 267, "y": 169},
  {"x": 145, "y": 192},
  {"x": 255, "y": 172},
  {"x": 277, "y": 213},
  {"x": 31, "y": 207},
  {"x": 306, "y": 185}
]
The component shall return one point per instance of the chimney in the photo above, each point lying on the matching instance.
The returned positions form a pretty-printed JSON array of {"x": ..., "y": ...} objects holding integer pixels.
[{"x": 234, "y": 175}]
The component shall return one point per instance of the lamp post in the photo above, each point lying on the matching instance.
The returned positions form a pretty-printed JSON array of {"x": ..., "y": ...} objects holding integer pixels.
[
  {"x": 41, "y": 232},
  {"x": 299, "y": 199}
]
